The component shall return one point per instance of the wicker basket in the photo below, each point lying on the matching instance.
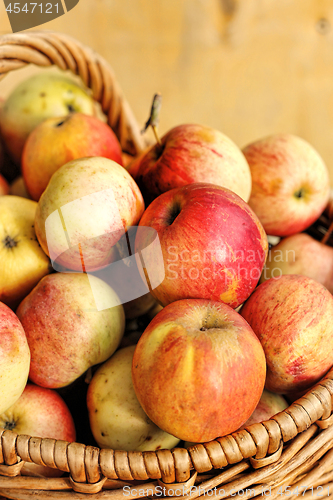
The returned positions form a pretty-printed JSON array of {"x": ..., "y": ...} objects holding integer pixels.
[{"x": 290, "y": 454}]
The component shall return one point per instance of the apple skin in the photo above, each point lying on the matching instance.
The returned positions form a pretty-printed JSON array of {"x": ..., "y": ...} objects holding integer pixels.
[
  {"x": 192, "y": 153},
  {"x": 292, "y": 317},
  {"x": 300, "y": 254},
  {"x": 97, "y": 228},
  {"x": 116, "y": 418},
  {"x": 198, "y": 370},
  {"x": 213, "y": 245},
  {"x": 40, "y": 412},
  {"x": 290, "y": 183},
  {"x": 269, "y": 405},
  {"x": 4, "y": 187},
  {"x": 42, "y": 96},
  {"x": 56, "y": 141},
  {"x": 140, "y": 306},
  {"x": 14, "y": 358},
  {"x": 23, "y": 262},
  {"x": 17, "y": 188},
  {"x": 65, "y": 331}
]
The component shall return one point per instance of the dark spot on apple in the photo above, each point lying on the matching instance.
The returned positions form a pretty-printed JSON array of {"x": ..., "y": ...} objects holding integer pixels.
[
  {"x": 158, "y": 447},
  {"x": 96, "y": 410},
  {"x": 60, "y": 123},
  {"x": 174, "y": 212},
  {"x": 70, "y": 108},
  {"x": 299, "y": 193},
  {"x": 203, "y": 329},
  {"x": 10, "y": 242},
  {"x": 103, "y": 434},
  {"x": 42, "y": 94},
  {"x": 148, "y": 438}
]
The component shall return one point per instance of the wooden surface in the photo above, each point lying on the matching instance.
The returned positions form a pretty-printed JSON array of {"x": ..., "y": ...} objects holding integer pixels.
[{"x": 246, "y": 67}]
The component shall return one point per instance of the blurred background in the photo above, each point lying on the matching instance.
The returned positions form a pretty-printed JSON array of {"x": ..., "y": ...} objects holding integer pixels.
[{"x": 248, "y": 68}]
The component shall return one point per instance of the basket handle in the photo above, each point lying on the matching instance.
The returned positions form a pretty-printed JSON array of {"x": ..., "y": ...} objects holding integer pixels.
[{"x": 46, "y": 48}]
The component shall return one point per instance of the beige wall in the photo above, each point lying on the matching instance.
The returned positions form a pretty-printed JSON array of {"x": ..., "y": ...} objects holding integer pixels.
[{"x": 246, "y": 67}]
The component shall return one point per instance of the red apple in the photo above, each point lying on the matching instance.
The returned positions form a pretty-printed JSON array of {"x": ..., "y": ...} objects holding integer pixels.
[
  {"x": 57, "y": 141},
  {"x": 14, "y": 358},
  {"x": 269, "y": 405},
  {"x": 300, "y": 254},
  {"x": 290, "y": 183},
  {"x": 66, "y": 330},
  {"x": 213, "y": 245},
  {"x": 40, "y": 412},
  {"x": 198, "y": 370},
  {"x": 4, "y": 187},
  {"x": 292, "y": 317},
  {"x": 192, "y": 153}
]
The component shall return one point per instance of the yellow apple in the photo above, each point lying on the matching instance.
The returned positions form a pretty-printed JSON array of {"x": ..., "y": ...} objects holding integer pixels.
[
  {"x": 116, "y": 418},
  {"x": 23, "y": 262}
]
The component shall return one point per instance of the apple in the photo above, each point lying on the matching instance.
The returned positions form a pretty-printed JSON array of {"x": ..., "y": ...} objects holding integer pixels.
[
  {"x": 57, "y": 141},
  {"x": 4, "y": 187},
  {"x": 300, "y": 254},
  {"x": 192, "y": 153},
  {"x": 14, "y": 358},
  {"x": 95, "y": 200},
  {"x": 213, "y": 245},
  {"x": 40, "y": 412},
  {"x": 198, "y": 370},
  {"x": 140, "y": 306},
  {"x": 41, "y": 96},
  {"x": 23, "y": 262},
  {"x": 269, "y": 405},
  {"x": 292, "y": 317},
  {"x": 116, "y": 418},
  {"x": 17, "y": 188},
  {"x": 290, "y": 183},
  {"x": 67, "y": 330}
]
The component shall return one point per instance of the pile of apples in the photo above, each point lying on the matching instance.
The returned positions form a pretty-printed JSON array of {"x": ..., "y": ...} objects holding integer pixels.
[{"x": 95, "y": 248}]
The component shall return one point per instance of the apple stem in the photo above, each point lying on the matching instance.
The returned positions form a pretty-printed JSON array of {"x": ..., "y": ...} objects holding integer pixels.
[
  {"x": 157, "y": 137},
  {"x": 154, "y": 117},
  {"x": 328, "y": 233}
]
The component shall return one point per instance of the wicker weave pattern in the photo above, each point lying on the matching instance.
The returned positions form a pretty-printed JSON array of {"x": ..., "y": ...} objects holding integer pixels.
[{"x": 254, "y": 458}]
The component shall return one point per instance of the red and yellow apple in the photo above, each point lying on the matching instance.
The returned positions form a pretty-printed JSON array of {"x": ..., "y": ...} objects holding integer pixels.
[
  {"x": 14, "y": 358},
  {"x": 269, "y": 405},
  {"x": 34, "y": 100},
  {"x": 23, "y": 262},
  {"x": 86, "y": 208},
  {"x": 292, "y": 317},
  {"x": 213, "y": 245},
  {"x": 67, "y": 331},
  {"x": 57, "y": 141},
  {"x": 290, "y": 183},
  {"x": 198, "y": 370},
  {"x": 300, "y": 254},
  {"x": 192, "y": 153},
  {"x": 40, "y": 412}
]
